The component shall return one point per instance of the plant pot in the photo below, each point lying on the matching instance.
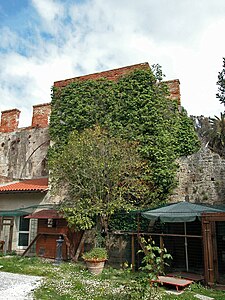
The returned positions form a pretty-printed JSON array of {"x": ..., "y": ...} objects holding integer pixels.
[{"x": 95, "y": 267}]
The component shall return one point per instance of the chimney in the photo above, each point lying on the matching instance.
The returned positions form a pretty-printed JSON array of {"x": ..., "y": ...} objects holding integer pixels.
[
  {"x": 41, "y": 114},
  {"x": 9, "y": 120}
]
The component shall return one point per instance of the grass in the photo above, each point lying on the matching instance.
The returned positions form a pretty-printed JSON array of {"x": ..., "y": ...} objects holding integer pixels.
[{"x": 72, "y": 281}]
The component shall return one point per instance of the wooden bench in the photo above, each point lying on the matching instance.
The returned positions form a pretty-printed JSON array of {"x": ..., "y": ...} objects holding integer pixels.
[
  {"x": 187, "y": 275},
  {"x": 177, "y": 282}
]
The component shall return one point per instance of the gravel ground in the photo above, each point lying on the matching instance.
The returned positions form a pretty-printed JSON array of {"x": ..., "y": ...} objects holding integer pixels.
[{"x": 17, "y": 286}]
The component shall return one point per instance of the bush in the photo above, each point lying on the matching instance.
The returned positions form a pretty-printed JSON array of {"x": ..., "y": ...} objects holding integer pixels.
[{"x": 96, "y": 254}]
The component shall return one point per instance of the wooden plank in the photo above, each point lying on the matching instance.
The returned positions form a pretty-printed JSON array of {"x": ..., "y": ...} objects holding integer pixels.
[
  {"x": 133, "y": 253},
  {"x": 205, "y": 249},
  {"x": 80, "y": 246},
  {"x": 214, "y": 252},
  {"x": 156, "y": 234},
  {"x": 32, "y": 242},
  {"x": 161, "y": 243},
  {"x": 187, "y": 275},
  {"x": 213, "y": 217},
  {"x": 208, "y": 253},
  {"x": 177, "y": 282}
]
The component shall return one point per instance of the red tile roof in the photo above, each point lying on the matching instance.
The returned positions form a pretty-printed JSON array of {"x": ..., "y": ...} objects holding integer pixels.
[
  {"x": 29, "y": 185},
  {"x": 110, "y": 74},
  {"x": 45, "y": 214}
]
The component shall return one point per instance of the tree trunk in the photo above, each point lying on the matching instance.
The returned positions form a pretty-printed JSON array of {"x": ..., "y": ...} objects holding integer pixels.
[{"x": 80, "y": 246}]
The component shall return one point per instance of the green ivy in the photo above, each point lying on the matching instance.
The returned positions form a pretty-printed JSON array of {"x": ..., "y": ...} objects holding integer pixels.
[{"x": 135, "y": 108}]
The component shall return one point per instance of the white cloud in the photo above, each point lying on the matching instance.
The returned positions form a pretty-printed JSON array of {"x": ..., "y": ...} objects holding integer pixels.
[
  {"x": 49, "y": 10},
  {"x": 70, "y": 39},
  {"x": 51, "y": 14}
]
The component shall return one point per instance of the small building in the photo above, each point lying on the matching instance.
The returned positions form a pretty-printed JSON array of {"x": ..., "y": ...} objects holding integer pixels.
[
  {"x": 50, "y": 226},
  {"x": 17, "y": 200}
]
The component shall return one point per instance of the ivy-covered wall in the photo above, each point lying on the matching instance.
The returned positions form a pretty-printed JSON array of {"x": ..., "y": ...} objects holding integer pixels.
[{"x": 135, "y": 107}]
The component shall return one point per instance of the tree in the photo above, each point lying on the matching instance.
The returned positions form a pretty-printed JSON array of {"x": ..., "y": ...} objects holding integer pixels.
[
  {"x": 212, "y": 130},
  {"x": 101, "y": 175},
  {"x": 202, "y": 127},
  {"x": 221, "y": 84},
  {"x": 217, "y": 134}
]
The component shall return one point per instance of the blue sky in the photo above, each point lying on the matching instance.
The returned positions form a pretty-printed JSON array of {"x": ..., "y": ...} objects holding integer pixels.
[{"x": 43, "y": 41}]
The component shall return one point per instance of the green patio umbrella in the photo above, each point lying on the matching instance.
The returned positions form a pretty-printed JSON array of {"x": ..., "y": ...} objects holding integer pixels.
[{"x": 180, "y": 212}]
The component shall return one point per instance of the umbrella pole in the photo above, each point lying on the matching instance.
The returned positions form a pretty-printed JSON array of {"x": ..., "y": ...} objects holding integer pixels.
[{"x": 185, "y": 243}]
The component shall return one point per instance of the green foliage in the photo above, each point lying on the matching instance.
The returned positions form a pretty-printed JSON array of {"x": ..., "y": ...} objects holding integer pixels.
[
  {"x": 95, "y": 254},
  {"x": 141, "y": 290},
  {"x": 101, "y": 175},
  {"x": 155, "y": 259},
  {"x": 212, "y": 132},
  {"x": 217, "y": 134},
  {"x": 221, "y": 84},
  {"x": 135, "y": 108},
  {"x": 69, "y": 281},
  {"x": 127, "y": 221},
  {"x": 186, "y": 135}
]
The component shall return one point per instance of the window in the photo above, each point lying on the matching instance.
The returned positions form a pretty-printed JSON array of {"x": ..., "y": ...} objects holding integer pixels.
[{"x": 24, "y": 226}]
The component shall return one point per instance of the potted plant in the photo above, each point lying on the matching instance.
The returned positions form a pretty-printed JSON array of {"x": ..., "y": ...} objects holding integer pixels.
[{"x": 95, "y": 260}]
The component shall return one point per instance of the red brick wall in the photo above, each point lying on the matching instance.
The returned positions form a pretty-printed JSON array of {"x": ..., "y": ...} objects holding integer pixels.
[
  {"x": 9, "y": 120},
  {"x": 41, "y": 114},
  {"x": 174, "y": 89},
  {"x": 111, "y": 74},
  {"x": 173, "y": 85}
]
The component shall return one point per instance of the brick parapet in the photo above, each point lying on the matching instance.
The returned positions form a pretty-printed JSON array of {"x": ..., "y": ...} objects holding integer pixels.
[
  {"x": 113, "y": 75},
  {"x": 9, "y": 120},
  {"x": 40, "y": 118},
  {"x": 174, "y": 89},
  {"x": 41, "y": 114}
]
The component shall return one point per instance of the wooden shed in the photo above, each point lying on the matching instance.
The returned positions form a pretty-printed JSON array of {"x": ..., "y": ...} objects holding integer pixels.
[
  {"x": 213, "y": 234},
  {"x": 195, "y": 236},
  {"x": 51, "y": 226}
]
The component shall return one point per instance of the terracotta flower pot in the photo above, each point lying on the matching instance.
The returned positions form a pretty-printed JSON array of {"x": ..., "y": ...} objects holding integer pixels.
[{"x": 94, "y": 266}]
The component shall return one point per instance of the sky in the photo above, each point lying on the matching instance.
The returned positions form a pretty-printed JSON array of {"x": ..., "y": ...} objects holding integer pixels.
[{"x": 42, "y": 41}]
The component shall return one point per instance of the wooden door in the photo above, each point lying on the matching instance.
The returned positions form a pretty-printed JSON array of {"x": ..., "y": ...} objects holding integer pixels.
[{"x": 7, "y": 232}]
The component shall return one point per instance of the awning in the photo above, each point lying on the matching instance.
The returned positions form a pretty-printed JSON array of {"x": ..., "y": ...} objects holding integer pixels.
[
  {"x": 12, "y": 213},
  {"x": 179, "y": 212},
  {"x": 45, "y": 214}
]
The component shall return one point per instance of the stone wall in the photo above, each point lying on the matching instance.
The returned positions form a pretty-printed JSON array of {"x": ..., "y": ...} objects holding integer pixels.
[
  {"x": 23, "y": 150},
  {"x": 201, "y": 178}
]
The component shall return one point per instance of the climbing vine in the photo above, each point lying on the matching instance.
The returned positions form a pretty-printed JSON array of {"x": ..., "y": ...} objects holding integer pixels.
[{"x": 135, "y": 108}]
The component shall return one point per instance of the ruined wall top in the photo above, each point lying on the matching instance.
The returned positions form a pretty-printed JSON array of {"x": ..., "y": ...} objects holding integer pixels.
[
  {"x": 115, "y": 74},
  {"x": 10, "y": 118},
  {"x": 174, "y": 89},
  {"x": 41, "y": 112},
  {"x": 110, "y": 74}
]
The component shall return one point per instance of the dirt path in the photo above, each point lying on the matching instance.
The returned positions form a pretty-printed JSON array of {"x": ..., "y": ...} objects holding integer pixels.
[{"x": 17, "y": 286}]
